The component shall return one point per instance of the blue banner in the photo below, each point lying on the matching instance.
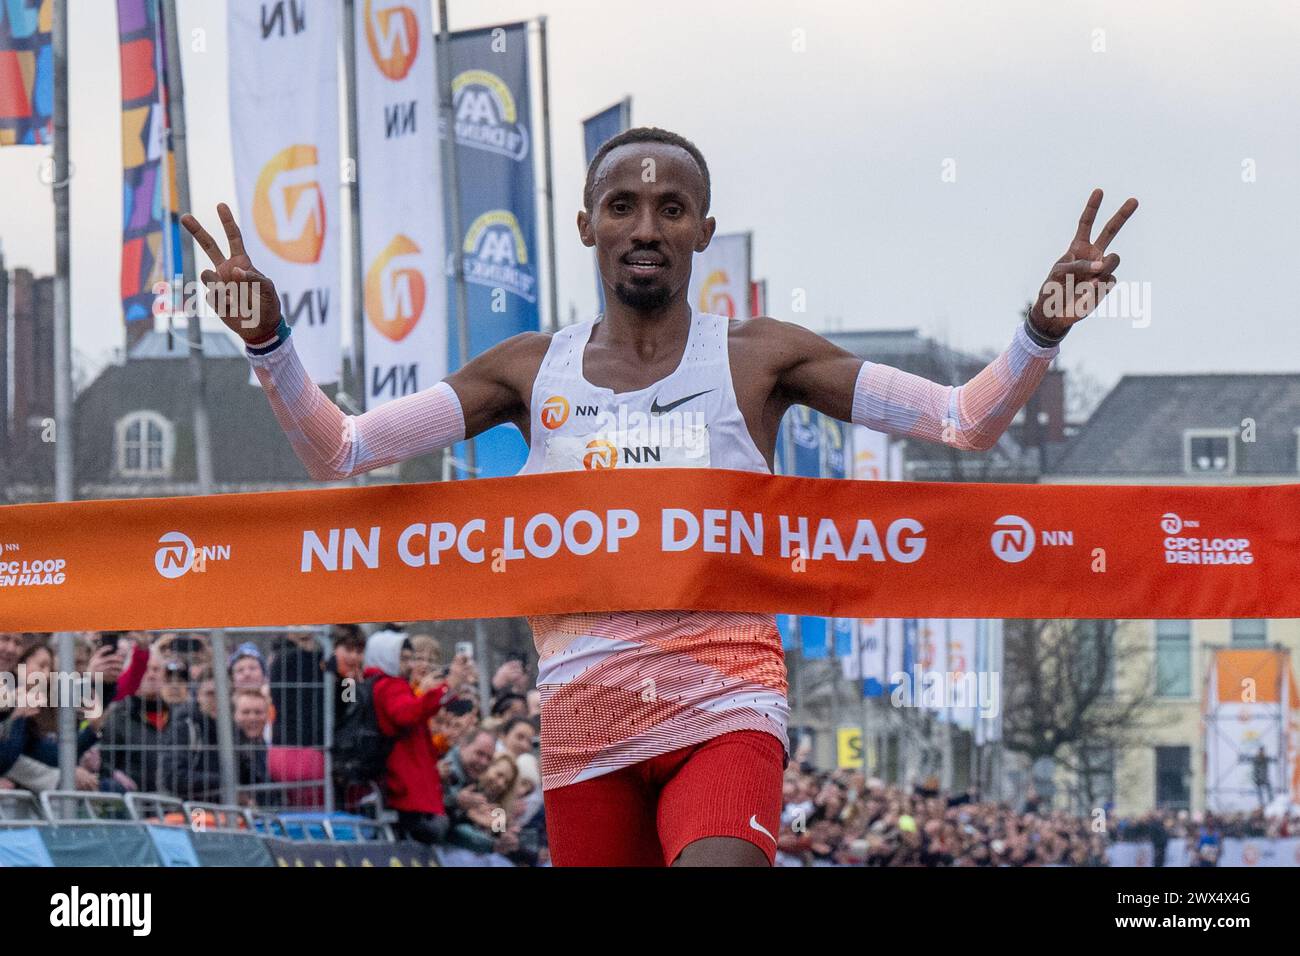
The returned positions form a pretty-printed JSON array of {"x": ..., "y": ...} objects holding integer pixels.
[
  {"x": 595, "y": 130},
  {"x": 805, "y": 437},
  {"x": 842, "y": 629},
  {"x": 494, "y": 157},
  {"x": 812, "y": 634},
  {"x": 785, "y": 627},
  {"x": 909, "y": 649},
  {"x": 26, "y": 73},
  {"x": 834, "y": 455}
]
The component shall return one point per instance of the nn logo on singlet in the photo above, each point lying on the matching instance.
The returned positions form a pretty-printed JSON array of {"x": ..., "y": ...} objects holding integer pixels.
[
  {"x": 601, "y": 453},
  {"x": 555, "y": 411}
]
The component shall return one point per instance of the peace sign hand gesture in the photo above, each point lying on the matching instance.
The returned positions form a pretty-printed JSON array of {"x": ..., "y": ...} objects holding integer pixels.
[
  {"x": 241, "y": 296},
  {"x": 1080, "y": 279}
]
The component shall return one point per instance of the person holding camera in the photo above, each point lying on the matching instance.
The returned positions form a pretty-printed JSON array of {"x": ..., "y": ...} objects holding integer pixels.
[{"x": 412, "y": 786}]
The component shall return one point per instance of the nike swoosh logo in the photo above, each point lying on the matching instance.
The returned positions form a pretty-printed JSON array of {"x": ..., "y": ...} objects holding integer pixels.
[
  {"x": 657, "y": 409},
  {"x": 755, "y": 825}
]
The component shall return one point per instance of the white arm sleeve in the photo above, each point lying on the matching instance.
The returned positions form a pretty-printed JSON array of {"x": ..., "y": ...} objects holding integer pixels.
[
  {"x": 332, "y": 445},
  {"x": 971, "y": 416}
]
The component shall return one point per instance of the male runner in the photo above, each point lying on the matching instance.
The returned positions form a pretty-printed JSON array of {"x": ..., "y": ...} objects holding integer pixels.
[{"x": 663, "y": 733}]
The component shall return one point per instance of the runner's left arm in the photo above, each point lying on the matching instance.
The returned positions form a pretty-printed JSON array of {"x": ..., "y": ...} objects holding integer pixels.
[
  {"x": 814, "y": 372},
  {"x": 970, "y": 417}
]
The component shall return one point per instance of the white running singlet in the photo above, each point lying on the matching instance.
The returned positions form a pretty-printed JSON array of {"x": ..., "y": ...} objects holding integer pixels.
[{"x": 622, "y": 687}]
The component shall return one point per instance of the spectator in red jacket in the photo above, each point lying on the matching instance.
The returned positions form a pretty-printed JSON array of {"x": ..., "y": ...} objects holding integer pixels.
[{"x": 412, "y": 786}]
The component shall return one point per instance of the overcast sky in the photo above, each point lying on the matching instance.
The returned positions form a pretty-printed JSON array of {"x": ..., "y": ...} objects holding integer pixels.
[{"x": 835, "y": 155}]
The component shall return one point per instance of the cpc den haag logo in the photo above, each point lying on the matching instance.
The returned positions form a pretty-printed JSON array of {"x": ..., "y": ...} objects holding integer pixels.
[
  {"x": 486, "y": 115},
  {"x": 555, "y": 411},
  {"x": 395, "y": 289},
  {"x": 288, "y": 205},
  {"x": 600, "y": 454},
  {"x": 715, "y": 294},
  {"x": 393, "y": 35},
  {"x": 496, "y": 256}
]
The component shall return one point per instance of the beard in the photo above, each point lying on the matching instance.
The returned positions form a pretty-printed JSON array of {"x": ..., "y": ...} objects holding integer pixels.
[{"x": 648, "y": 298}]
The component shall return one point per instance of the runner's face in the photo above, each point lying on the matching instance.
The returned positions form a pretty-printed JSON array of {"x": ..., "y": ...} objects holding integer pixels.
[{"x": 645, "y": 232}]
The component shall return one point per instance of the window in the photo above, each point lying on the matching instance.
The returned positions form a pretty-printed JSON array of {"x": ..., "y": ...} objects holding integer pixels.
[
  {"x": 1173, "y": 778},
  {"x": 145, "y": 443},
  {"x": 1173, "y": 658},
  {"x": 1250, "y": 633},
  {"x": 1210, "y": 451}
]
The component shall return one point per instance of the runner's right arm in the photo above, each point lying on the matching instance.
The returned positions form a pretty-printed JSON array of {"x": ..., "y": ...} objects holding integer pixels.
[{"x": 487, "y": 391}]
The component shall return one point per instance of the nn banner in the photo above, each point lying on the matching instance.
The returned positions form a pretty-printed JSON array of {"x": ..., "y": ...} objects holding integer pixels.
[
  {"x": 402, "y": 246},
  {"x": 720, "y": 276},
  {"x": 691, "y": 539},
  {"x": 284, "y": 126}
]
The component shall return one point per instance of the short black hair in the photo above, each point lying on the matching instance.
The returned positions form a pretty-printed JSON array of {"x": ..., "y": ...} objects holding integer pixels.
[
  {"x": 505, "y": 702},
  {"x": 646, "y": 134}
]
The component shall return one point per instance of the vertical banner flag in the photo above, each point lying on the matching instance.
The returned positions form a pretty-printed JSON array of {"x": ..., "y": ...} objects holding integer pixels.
[
  {"x": 720, "y": 276},
  {"x": 871, "y": 655},
  {"x": 26, "y": 73},
  {"x": 805, "y": 437},
  {"x": 284, "y": 126},
  {"x": 988, "y": 724},
  {"x": 150, "y": 222},
  {"x": 492, "y": 110},
  {"x": 606, "y": 124},
  {"x": 812, "y": 634},
  {"x": 785, "y": 627},
  {"x": 870, "y": 454},
  {"x": 845, "y": 640},
  {"x": 931, "y": 662},
  {"x": 961, "y": 670},
  {"x": 834, "y": 451},
  {"x": 909, "y": 636},
  {"x": 805, "y": 440},
  {"x": 402, "y": 242}
]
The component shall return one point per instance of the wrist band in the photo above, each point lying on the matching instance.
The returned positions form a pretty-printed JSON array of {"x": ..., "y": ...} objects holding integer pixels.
[
  {"x": 281, "y": 333},
  {"x": 1042, "y": 339}
]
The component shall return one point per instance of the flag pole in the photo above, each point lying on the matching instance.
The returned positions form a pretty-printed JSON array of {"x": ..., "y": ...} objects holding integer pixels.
[
  {"x": 554, "y": 320},
  {"x": 180, "y": 159},
  {"x": 358, "y": 383},
  {"x": 447, "y": 108},
  {"x": 64, "y": 474},
  {"x": 175, "y": 93}
]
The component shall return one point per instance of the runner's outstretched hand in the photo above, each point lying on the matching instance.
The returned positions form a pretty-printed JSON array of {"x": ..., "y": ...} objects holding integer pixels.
[
  {"x": 241, "y": 296},
  {"x": 1080, "y": 279}
]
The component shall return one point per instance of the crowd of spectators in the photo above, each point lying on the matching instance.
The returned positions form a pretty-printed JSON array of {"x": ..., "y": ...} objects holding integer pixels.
[
  {"x": 455, "y": 770},
  {"x": 842, "y": 818},
  {"x": 464, "y": 773}
]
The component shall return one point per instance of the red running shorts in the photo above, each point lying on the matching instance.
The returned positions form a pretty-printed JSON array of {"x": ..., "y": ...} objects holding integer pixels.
[{"x": 646, "y": 814}]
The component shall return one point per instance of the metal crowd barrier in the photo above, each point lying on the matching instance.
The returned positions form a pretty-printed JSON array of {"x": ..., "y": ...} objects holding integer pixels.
[
  {"x": 20, "y": 808},
  {"x": 270, "y": 690}
]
